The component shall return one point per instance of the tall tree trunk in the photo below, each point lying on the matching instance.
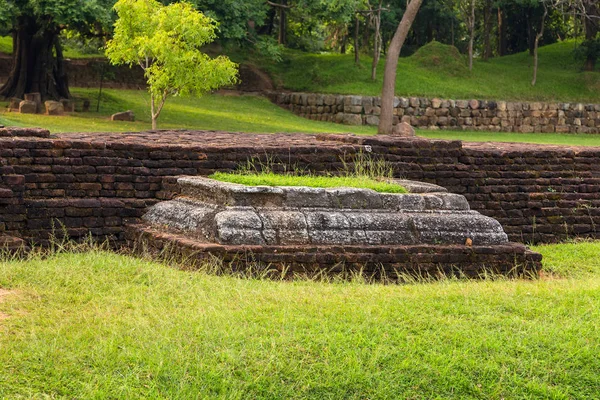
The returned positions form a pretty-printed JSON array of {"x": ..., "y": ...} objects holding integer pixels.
[
  {"x": 35, "y": 69},
  {"x": 592, "y": 27},
  {"x": 487, "y": 30},
  {"x": 344, "y": 41},
  {"x": 377, "y": 42},
  {"x": 536, "y": 46},
  {"x": 386, "y": 119},
  {"x": 356, "y": 33},
  {"x": 501, "y": 33},
  {"x": 471, "y": 20},
  {"x": 530, "y": 33},
  {"x": 282, "y": 23}
]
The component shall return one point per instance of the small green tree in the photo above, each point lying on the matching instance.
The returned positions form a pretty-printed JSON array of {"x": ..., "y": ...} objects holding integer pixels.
[{"x": 165, "y": 42}]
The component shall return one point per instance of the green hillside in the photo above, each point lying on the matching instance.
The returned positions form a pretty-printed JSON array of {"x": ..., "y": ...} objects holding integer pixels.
[{"x": 439, "y": 70}]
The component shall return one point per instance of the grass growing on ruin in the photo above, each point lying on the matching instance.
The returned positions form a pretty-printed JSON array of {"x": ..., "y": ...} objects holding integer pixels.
[
  {"x": 272, "y": 179},
  {"x": 102, "y": 325}
]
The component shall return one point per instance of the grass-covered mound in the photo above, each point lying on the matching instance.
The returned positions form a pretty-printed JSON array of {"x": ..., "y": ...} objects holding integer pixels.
[
  {"x": 102, "y": 325},
  {"x": 441, "y": 59},
  {"x": 272, "y": 179}
]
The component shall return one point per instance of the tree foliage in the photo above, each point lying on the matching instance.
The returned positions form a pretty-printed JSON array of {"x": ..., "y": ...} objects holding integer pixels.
[
  {"x": 37, "y": 54},
  {"x": 234, "y": 16},
  {"x": 85, "y": 16},
  {"x": 165, "y": 42}
]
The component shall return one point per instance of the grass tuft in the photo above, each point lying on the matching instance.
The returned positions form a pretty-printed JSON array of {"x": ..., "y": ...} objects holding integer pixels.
[
  {"x": 362, "y": 171},
  {"x": 271, "y": 179}
]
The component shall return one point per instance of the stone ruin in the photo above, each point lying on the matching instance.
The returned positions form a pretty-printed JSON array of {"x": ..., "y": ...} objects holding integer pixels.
[
  {"x": 32, "y": 104},
  {"x": 427, "y": 231}
]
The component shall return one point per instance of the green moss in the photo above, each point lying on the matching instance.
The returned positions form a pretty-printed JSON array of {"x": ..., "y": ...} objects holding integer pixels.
[{"x": 271, "y": 179}]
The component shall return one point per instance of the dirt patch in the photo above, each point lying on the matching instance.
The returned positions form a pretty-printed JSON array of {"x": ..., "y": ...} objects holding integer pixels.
[
  {"x": 3, "y": 294},
  {"x": 252, "y": 79}
]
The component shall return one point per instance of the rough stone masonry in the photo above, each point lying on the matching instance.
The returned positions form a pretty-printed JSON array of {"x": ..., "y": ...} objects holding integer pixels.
[{"x": 471, "y": 115}]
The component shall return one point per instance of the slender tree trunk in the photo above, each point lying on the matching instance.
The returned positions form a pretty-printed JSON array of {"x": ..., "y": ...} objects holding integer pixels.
[
  {"x": 592, "y": 26},
  {"x": 34, "y": 66},
  {"x": 501, "y": 33},
  {"x": 386, "y": 119},
  {"x": 471, "y": 20},
  {"x": 344, "y": 41},
  {"x": 153, "y": 112},
  {"x": 356, "y": 33},
  {"x": 530, "y": 33},
  {"x": 536, "y": 45},
  {"x": 282, "y": 23},
  {"x": 377, "y": 43},
  {"x": 487, "y": 30}
]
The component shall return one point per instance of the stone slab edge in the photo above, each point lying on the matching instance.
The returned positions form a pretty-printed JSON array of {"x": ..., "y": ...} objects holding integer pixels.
[{"x": 511, "y": 259}]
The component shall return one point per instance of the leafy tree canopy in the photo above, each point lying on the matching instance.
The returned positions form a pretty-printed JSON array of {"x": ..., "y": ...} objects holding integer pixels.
[
  {"x": 234, "y": 16},
  {"x": 83, "y": 15},
  {"x": 165, "y": 42}
]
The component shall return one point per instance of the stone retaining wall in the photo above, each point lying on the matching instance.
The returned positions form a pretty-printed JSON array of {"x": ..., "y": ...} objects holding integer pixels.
[
  {"x": 97, "y": 183},
  {"x": 471, "y": 115}
]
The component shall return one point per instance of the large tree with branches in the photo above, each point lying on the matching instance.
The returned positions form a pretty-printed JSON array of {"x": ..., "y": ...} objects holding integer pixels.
[{"x": 35, "y": 26}]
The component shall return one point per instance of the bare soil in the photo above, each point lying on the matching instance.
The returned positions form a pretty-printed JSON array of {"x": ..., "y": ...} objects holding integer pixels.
[{"x": 3, "y": 294}]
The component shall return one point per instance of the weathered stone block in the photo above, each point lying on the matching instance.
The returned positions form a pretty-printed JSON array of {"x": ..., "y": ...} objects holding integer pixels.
[
  {"x": 68, "y": 105},
  {"x": 474, "y": 104},
  {"x": 13, "y": 104},
  {"x": 28, "y": 107},
  {"x": 36, "y": 98},
  {"x": 403, "y": 129},
  {"x": 123, "y": 116},
  {"x": 372, "y": 120},
  {"x": 352, "y": 119},
  {"x": 54, "y": 108}
]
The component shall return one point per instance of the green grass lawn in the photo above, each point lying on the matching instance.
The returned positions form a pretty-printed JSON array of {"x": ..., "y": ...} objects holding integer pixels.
[
  {"x": 271, "y": 179},
  {"x": 6, "y": 44},
  {"x": 435, "y": 71},
  {"x": 213, "y": 112},
  {"x": 6, "y": 47},
  {"x": 101, "y": 325},
  {"x": 237, "y": 114}
]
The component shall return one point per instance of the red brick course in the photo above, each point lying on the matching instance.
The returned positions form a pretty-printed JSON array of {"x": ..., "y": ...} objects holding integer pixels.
[{"x": 98, "y": 182}]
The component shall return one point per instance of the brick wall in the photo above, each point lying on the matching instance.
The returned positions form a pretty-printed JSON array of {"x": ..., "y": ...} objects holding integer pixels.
[
  {"x": 471, "y": 115},
  {"x": 96, "y": 183}
]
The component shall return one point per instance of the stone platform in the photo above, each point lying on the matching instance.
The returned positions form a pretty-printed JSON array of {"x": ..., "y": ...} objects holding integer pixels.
[{"x": 426, "y": 231}]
